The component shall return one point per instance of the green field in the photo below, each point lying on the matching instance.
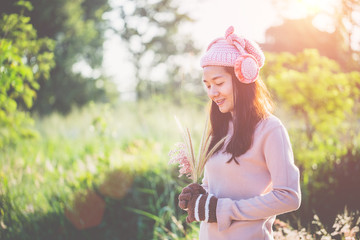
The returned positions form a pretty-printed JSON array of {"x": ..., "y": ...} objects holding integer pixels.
[
  {"x": 77, "y": 161},
  {"x": 120, "y": 154}
]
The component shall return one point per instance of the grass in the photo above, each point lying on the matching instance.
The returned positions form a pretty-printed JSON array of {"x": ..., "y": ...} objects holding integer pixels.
[
  {"x": 41, "y": 176},
  {"x": 120, "y": 153}
]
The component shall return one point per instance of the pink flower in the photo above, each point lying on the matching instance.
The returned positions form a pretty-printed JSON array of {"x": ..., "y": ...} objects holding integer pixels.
[{"x": 180, "y": 156}]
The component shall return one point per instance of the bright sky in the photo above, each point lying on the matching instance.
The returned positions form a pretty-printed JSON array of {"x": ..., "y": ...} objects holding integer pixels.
[
  {"x": 249, "y": 18},
  {"x": 213, "y": 17}
]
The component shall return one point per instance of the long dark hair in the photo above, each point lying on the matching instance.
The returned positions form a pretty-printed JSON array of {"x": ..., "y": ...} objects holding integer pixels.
[{"x": 252, "y": 103}]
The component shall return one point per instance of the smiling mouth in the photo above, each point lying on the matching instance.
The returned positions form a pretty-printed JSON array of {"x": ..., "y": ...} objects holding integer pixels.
[{"x": 220, "y": 102}]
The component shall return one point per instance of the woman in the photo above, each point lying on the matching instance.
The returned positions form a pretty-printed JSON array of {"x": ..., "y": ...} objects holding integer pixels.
[{"x": 252, "y": 177}]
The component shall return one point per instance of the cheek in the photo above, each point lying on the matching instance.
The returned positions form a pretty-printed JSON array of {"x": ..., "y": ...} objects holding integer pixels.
[
  {"x": 208, "y": 93},
  {"x": 229, "y": 89}
]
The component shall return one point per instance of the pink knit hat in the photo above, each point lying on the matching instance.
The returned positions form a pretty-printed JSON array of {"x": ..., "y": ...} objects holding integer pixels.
[{"x": 232, "y": 51}]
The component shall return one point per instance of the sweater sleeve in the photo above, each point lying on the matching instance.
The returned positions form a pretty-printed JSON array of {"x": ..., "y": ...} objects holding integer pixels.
[
  {"x": 204, "y": 183},
  {"x": 285, "y": 195}
]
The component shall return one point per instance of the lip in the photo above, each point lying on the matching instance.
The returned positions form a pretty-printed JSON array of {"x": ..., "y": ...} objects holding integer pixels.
[{"x": 220, "y": 102}]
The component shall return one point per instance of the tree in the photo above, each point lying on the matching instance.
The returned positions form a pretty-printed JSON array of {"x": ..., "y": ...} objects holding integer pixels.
[
  {"x": 347, "y": 24},
  {"x": 78, "y": 29},
  {"x": 320, "y": 97},
  {"x": 321, "y": 102},
  {"x": 295, "y": 35},
  {"x": 24, "y": 59},
  {"x": 340, "y": 44},
  {"x": 150, "y": 31}
]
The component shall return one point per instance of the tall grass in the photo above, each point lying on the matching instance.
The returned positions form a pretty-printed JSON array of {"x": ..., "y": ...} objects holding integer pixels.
[
  {"x": 119, "y": 152},
  {"x": 40, "y": 176}
]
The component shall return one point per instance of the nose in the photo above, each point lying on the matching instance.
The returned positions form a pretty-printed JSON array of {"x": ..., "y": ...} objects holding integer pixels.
[{"x": 213, "y": 92}]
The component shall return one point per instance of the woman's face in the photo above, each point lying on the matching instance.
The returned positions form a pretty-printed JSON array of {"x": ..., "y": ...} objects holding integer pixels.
[{"x": 219, "y": 87}]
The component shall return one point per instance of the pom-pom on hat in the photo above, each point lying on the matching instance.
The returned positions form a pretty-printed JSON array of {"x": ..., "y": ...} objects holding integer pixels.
[{"x": 233, "y": 51}]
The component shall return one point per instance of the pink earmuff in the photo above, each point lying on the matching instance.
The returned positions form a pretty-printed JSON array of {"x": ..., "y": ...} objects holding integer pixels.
[{"x": 246, "y": 68}]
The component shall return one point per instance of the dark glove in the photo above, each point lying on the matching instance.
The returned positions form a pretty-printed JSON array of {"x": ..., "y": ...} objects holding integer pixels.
[
  {"x": 202, "y": 207},
  {"x": 187, "y": 193}
]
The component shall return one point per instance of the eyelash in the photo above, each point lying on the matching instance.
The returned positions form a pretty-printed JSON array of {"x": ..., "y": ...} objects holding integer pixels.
[{"x": 219, "y": 84}]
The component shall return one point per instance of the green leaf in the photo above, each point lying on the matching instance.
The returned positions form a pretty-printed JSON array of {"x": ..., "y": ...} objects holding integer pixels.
[
  {"x": 144, "y": 213},
  {"x": 26, "y": 4}
]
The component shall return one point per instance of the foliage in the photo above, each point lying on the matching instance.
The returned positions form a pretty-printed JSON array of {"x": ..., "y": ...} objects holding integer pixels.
[
  {"x": 332, "y": 187},
  {"x": 322, "y": 100},
  {"x": 78, "y": 154},
  {"x": 81, "y": 151},
  {"x": 340, "y": 18},
  {"x": 24, "y": 59},
  {"x": 321, "y": 103},
  {"x": 347, "y": 24},
  {"x": 293, "y": 36},
  {"x": 88, "y": 148},
  {"x": 77, "y": 27},
  {"x": 151, "y": 32},
  {"x": 345, "y": 226}
]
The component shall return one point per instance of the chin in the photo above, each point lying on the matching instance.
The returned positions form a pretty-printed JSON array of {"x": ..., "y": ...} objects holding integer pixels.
[{"x": 224, "y": 110}]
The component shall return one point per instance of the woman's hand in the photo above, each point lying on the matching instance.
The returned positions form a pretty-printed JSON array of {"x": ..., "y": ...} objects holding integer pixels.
[
  {"x": 188, "y": 192},
  {"x": 202, "y": 207}
]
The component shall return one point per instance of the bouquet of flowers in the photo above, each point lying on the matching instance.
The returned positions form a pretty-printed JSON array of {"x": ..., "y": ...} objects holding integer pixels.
[{"x": 183, "y": 153}]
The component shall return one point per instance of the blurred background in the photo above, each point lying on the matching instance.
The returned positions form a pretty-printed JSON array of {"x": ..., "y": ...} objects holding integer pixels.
[{"x": 88, "y": 94}]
